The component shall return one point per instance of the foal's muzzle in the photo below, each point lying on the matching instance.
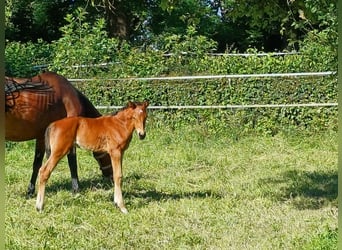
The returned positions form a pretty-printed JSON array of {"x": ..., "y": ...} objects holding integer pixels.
[{"x": 142, "y": 135}]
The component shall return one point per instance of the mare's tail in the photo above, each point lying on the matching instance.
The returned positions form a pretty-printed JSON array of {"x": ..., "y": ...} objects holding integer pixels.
[{"x": 47, "y": 142}]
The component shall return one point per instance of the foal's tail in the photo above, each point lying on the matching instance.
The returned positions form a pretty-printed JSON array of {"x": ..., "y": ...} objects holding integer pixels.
[{"x": 47, "y": 142}]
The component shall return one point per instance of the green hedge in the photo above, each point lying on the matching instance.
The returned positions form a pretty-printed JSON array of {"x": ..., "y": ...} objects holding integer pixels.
[
  {"x": 229, "y": 92},
  {"x": 88, "y": 44}
]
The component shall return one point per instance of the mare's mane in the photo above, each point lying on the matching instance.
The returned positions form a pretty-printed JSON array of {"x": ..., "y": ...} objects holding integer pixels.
[
  {"x": 13, "y": 89},
  {"x": 12, "y": 86}
]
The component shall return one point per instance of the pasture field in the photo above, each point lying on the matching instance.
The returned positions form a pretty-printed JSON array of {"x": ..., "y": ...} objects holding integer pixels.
[{"x": 185, "y": 188}]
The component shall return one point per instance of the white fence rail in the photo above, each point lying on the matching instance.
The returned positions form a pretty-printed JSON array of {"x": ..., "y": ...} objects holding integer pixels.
[
  {"x": 170, "y": 78},
  {"x": 332, "y": 104}
]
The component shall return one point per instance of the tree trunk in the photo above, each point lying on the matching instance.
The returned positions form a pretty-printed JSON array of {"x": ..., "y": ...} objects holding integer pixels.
[{"x": 118, "y": 23}]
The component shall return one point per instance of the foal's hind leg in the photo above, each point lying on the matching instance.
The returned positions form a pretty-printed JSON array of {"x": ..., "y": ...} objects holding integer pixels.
[
  {"x": 72, "y": 160},
  {"x": 38, "y": 159},
  {"x": 59, "y": 148},
  {"x": 44, "y": 174}
]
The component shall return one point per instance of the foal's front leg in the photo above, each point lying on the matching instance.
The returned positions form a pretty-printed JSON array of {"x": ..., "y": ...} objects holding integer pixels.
[{"x": 116, "y": 157}]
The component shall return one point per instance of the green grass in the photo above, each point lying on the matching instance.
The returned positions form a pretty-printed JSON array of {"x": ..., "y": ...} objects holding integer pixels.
[{"x": 185, "y": 189}]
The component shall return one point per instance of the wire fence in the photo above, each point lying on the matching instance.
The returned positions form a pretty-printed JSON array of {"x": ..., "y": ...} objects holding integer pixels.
[{"x": 231, "y": 76}]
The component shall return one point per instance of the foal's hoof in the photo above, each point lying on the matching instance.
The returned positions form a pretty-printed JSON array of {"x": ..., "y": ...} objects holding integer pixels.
[
  {"x": 124, "y": 210},
  {"x": 39, "y": 203},
  {"x": 39, "y": 208}
]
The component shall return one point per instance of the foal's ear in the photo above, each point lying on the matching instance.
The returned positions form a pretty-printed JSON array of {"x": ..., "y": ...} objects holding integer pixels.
[
  {"x": 131, "y": 105},
  {"x": 146, "y": 103}
]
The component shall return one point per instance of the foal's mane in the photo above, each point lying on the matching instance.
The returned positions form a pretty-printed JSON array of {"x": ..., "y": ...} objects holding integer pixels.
[{"x": 124, "y": 108}]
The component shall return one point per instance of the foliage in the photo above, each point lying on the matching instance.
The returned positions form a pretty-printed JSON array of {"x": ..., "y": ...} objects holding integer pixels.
[
  {"x": 184, "y": 52},
  {"x": 8, "y": 13},
  {"x": 123, "y": 18},
  {"x": 226, "y": 91},
  {"x": 326, "y": 239},
  {"x": 28, "y": 20},
  {"x": 271, "y": 25},
  {"x": 320, "y": 49},
  {"x": 83, "y": 45},
  {"x": 21, "y": 58}
]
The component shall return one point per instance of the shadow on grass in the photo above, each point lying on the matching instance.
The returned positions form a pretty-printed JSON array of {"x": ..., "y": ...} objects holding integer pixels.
[
  {"x": 148, "y": 193},
  {"x": 135, "y": 191},
  {"x": 98, "y": 182},
  {"x": 154, "y": 195},
  {"x": 305, "y": 190}
]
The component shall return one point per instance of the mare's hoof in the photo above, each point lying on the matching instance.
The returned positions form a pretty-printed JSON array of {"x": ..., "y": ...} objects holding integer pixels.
[
  {"x": 75, "y": 191},
  {"x": 75, "y": 186},
  {"x": 30, "y": 193}
]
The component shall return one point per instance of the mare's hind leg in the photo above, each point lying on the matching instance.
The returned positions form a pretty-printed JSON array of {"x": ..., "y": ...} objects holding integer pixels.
[
  {"x": 37, "y": 163},
  {"x": 104, "y": 161},
  {"x": 72, "y": 160}
]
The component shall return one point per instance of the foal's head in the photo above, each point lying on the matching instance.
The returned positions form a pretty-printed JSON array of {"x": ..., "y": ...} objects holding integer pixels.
[{"x": 139, "y": 116}]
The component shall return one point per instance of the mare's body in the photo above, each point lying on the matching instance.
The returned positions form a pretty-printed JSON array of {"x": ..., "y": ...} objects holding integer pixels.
[{"x": 33, "y": 103}]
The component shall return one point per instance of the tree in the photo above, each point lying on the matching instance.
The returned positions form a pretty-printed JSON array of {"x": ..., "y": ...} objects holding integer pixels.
[
  {"x": 274, "y": 24},
  {"x": 122, "y": 16},
  {"x": 31, "y": 20},
  {"x": 269, "y": 26}
]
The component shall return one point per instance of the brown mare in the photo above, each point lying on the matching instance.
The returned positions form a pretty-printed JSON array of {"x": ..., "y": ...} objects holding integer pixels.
[
  {"x": 111, "y": 134},
  {"x": 33, "y": 103}
]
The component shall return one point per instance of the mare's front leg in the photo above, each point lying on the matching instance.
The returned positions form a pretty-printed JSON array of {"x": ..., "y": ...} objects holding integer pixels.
[
  {"x": 72, "y": 161},
  {"x": 116, "y": 157},
  {"x": 37, "y": 163}
]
